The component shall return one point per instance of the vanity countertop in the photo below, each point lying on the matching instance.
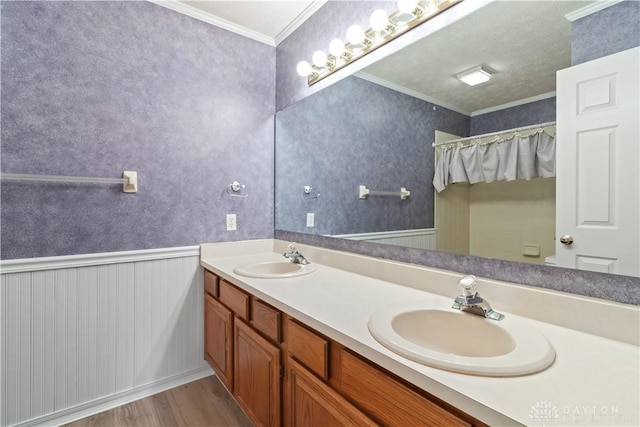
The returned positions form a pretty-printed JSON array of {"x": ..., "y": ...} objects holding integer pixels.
[{"x": 594, "y": 380}]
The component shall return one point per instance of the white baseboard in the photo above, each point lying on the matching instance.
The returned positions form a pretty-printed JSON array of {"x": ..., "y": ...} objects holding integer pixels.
[{"x": 118, "y": 399}]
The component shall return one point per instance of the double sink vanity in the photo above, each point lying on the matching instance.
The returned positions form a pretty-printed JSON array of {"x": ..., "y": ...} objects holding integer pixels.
[{"x": 337, "y": 338}]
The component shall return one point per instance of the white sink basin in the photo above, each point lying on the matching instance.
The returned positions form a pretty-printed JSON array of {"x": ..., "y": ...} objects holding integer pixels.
[
  {"x": 461, "y": 342},
  {"x": 273, "y": 269}
]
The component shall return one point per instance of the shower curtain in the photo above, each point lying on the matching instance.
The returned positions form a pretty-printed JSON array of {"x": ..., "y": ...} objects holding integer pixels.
[{"x": 517, "y": 157}]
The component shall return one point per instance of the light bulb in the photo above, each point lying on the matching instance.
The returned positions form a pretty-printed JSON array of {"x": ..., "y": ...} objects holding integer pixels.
[
  {"x": 379, "y": 20},
  {"x": 336, "y": 47},
  {"x": 355, "y": 34},
  {"x": 407, "y": 6},
  {"x": 319, "y": 58},
  {"x": 304, "y": 68}
]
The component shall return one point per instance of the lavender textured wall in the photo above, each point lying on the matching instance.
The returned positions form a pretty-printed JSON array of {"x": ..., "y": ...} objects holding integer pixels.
[
  {"x": 542, "y": 111},
  {"x": 351, "y": 133},
  {"x": 608, "y": 31},
  {"x": 95, "y": 88}
]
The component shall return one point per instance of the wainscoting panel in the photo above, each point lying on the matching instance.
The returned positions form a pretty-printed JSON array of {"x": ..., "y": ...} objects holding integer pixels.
[
  {"x": 74, "y": 335},
  {"x": 424, "y": 238}
]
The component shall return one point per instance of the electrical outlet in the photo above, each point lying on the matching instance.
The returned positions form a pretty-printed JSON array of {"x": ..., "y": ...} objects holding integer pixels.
[
  {"x": 231, "y": 222},
  {"x": 310, "y": 220}
]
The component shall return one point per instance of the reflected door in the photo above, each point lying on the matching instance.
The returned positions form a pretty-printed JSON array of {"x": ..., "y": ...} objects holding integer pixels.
[{"x": 598, "y": 158}]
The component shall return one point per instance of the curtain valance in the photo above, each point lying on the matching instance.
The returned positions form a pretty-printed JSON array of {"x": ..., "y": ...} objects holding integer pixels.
[{"x": 517, "y": 157}]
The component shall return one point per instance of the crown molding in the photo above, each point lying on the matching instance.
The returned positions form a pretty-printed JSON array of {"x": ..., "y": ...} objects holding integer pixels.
[
  {"x": 300, "y": 19},
  {"x": 592, "y": 8},
  {"x": 399, "y": 88},
  {"x": 514, "y": 103},
  {"x": 185, "y": 9}
]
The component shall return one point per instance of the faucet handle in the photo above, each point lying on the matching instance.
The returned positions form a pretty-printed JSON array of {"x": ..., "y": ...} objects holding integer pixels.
[{"x": 468, "y": 286}]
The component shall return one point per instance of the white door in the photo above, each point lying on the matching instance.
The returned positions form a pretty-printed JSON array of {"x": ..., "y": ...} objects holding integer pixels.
[{"x": 598, "y": 163}]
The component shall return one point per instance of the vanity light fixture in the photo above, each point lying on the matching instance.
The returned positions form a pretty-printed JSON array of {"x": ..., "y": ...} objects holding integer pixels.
[
  {"x": 476, "y": 75},
  {"x": 384, "y": 28}
]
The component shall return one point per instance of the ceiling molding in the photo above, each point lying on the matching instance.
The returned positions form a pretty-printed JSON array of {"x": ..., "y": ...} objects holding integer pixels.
[
  {"x": 410, "y": 92},
  {"x": 214, "y": 20},
  {"x": 440, "y": 103},
  {"x": 300, "y": 19},
  {"x": 592, "y": 8},
  {"x": 514, "y": 103}
]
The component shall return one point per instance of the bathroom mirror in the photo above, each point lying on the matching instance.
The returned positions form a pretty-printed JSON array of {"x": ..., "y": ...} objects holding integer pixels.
[{"x": 376, "y": 129}]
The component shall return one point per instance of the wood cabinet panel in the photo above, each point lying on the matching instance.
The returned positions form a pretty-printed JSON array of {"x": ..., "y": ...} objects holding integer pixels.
[
  {"x": 313, "y": 403},
  {"x": 235, "y": 299},
  {"x": 218, "y": 339},
  {"x": 257, "y": 385},
  {"x": 307, "y": 347},
  {"x": 266, "y": 319},
  {"x": 384, "y": 399},
  {"x": 210, "y": 283}
]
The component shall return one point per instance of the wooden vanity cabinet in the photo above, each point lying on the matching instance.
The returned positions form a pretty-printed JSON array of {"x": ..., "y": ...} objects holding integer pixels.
[
  {"x": 311, "y": 402},
  {"x": 242, "y": 346},
  {"x": 251, "y": 346}
]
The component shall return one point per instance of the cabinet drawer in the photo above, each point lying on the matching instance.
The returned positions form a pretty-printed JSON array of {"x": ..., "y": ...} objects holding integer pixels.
[
  {"x": 378, "y": 394},
  {"x": 265, "y": 319},
  {"x": 210, "y": 283},
  {"x": 308, "y": 348},
  {"x": 235, "y": 299}
]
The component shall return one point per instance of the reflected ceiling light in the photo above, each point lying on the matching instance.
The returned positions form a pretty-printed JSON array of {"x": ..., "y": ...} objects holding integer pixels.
[
  {"x": 475, "y": 76},
  {"x": 384, "y": 28}
]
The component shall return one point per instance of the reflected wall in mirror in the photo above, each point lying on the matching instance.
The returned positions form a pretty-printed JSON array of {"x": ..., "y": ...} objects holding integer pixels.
[{"x": 377, "y": 129}]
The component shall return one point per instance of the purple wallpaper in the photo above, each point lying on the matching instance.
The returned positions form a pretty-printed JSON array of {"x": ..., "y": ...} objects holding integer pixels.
[
  {"x": 351, "y": 133},
  {"x": 608, "y": 31},
  {"x": 533, "y": 113},
  {"x": 96, "y": 88}
]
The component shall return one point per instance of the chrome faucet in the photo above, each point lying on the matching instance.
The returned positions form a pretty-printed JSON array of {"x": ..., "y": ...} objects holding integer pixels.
[
  {"x": 294, "y": 256},
  {"x": 470, "y": 301}
]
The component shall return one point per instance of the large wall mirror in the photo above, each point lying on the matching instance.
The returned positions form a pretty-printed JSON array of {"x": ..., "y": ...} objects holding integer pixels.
[{"x": 376, "y": 129}]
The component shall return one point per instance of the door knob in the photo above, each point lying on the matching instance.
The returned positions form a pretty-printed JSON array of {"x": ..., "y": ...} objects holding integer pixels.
[{"x": 566, "y": 240}]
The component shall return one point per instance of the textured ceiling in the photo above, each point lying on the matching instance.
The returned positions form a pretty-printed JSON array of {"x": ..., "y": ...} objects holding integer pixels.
[{"x": 524, "y": 42}]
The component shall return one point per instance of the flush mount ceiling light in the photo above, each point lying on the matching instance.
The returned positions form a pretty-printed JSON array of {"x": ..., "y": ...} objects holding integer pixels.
[
  {"x": 476, "y": 75},
  {"x": 384, "y": 28}
]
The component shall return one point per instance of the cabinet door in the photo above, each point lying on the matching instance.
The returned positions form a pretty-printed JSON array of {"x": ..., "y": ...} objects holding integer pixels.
[
  {"x": 218, "y": 329},
  {"x": 256, "y": 375},
  {"x": 383, "y": 398},
  {"x": 313, "y": 403}
]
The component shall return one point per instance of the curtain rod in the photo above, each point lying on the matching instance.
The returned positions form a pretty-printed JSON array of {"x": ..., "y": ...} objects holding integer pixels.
[{"x": 502, "y": 132}]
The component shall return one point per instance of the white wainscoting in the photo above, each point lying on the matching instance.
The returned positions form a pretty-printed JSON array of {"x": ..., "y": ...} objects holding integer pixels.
[
  {"x": 84, "y": 333},
  {"x": 423, "y": 238}
]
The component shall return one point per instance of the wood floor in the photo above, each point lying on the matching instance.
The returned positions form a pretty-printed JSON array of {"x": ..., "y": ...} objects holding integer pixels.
[{"x": 201, "y": 403}]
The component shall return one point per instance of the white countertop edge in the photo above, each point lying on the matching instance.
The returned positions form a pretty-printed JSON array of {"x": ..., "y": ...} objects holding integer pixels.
[{"x": 571, "y": 311}]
